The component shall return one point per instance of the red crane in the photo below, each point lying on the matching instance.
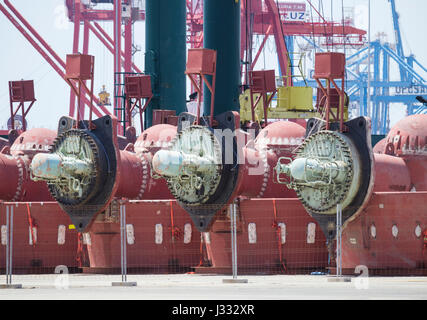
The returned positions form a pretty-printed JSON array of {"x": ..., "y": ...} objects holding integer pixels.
[
  {"x": 269, "y": 18},
  {"x": 44, "y": 49},
  {"x": 258, "y": 17},
  {"x": 80, "y": 12}
]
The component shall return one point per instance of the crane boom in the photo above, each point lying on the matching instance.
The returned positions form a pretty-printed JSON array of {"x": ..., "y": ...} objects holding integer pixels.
[{"x": 398, "y": 36}]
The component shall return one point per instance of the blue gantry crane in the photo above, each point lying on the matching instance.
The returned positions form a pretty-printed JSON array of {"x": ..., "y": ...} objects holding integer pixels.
[{"x": 384, "y": 87}]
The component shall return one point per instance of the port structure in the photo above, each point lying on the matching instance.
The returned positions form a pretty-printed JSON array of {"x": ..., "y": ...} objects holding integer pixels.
[
  {"x": 262, "y": 83},
  {"x": 122, "y": 13},
  {"x": 330, "y": 66},
  {"x": 263, "y": 18},
  {"x": 202, "y": 62},
  {"x": 84, "y": 13},
  {"x": 20, "y": 92},
  {"x": 384, "y": 88},
  {"x": 137, "y": 87},
  {"x": 268, "y": 20}
]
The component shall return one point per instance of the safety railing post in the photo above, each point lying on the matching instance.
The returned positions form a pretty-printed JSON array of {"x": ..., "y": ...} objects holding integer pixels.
[
  {"x": 123, "y": 254},
  {"x": 122, "y": 244},
  {"x": 339, "y": 242},
  {"x": 338, "y": 276},
  {"x": 233, "y": 225},
  {"x": 9, "y": 250}
]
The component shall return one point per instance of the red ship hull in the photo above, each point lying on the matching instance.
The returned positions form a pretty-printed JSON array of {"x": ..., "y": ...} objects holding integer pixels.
[
  {"x": 368, "y": 240},
  {"x": 158, "y": 240},
  {"x": 55, "y": 243},
  {"x": 299, "y": 246},
  {"x": 151, "y": 246}
]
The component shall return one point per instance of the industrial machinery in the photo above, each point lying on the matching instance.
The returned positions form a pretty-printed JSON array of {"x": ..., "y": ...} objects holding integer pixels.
[
  {"x": 88, "y": 174},
  {"x": 335, "y": 163},
  {"x": 407, "y": 141},
  {"x": 212, "y": 160},
  {"x": 90, "y": 168},
  {"x": 88, "y": 165},
  {"x": 39, "y": 224},
  {"x": 339, "y": 168},
  {"x": 331, "y": 168},
  {"x": 16, "y": 160},
  {"x": 336, "y": 173},
  {"x": 208, "y": 167},
  {"x": 85, "y": 169}
]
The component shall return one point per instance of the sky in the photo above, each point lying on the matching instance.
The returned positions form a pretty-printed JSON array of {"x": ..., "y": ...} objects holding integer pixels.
[{"x": 19, "y": 60}]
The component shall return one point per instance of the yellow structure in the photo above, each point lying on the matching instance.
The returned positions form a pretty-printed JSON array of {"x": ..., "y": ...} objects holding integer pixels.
[
  {"x": 295, "y": 98},
  {"x": 245, "y": 107},
  {"x": 292, "y": 103}
]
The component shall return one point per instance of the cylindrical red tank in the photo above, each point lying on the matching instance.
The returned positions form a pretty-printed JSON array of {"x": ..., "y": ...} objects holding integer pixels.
[
  {"x": 85, "y": 169},
  {"x": 207, "y": 168},
  {"x": 408, "y": 137},
  {"x": 392, "y": 223},
  {"x": 257, "y": 180},
  {"x": 155, "y": 138},
  {"x": 380, "y": 146},
  {"x": 408, "y": 140},
  {"x": 278, "y": 139},
  {"x": 137, "y": 181},
  {"x": 391, "y": 174},
  {"x": 44, "y": 219},
  {"x": 14, "y": 167},
  {"x": 301, "y": 122}
]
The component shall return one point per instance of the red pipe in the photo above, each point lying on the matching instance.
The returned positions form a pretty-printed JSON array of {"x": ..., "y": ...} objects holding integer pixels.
[
  {"x": 128, "y": 46},
  {"x": 137, "y": 180},
  {"x": 257, "y": 177},
  {"x": 14, "y": 167}
]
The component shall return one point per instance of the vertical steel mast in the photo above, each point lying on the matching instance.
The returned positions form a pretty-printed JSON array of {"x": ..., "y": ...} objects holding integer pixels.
[{"x": 165, "y": 55}]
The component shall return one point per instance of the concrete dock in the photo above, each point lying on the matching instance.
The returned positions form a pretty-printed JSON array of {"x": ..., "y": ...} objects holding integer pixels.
[{"x": 212, "y": 287}]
